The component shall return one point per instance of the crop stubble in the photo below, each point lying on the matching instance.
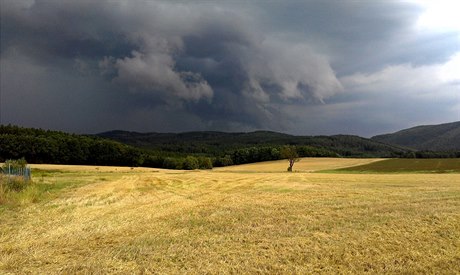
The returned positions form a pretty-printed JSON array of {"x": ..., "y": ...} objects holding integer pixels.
[{"x": 241, "y": 220}]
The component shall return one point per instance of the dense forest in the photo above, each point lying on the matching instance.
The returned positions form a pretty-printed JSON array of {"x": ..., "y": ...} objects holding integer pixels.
[
  {"x": 194, "y": 150},
  {"x": 220, "y": 143},
  {"x": 44, "y": 146},
  {"x": 40, "y": 146}
]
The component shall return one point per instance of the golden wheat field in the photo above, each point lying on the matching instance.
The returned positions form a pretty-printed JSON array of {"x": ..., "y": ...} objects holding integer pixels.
[{"x": 244, "y": 219}]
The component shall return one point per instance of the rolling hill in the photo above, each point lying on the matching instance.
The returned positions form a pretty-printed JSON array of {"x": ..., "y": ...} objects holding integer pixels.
[
  {"x": 176, "y": 151},
  {"x": 441, "y": 137},
  {"x": 214, "y": 143}
]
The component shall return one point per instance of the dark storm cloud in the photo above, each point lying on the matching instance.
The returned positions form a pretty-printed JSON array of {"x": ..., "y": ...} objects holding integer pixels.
[
  {"x": 89, "y": 66},
  {"x": 196, "y": 59}
]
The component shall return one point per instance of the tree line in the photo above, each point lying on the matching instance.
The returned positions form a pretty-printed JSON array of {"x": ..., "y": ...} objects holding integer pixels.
[
  {"x": 221, "y": 143},
  {"x": 54, "y": 147}
]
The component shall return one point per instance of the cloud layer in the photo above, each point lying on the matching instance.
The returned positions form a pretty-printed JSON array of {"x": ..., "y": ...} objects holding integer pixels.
[{"x": 305, "y": 68}]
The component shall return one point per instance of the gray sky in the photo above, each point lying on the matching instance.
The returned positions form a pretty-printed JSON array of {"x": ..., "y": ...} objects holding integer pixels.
[{"x": 300, "y": 67}]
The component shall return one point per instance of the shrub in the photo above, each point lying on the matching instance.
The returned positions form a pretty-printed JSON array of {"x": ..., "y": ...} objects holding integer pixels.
[
  {"x": 13, "y": 183},
  {"x": 223, "y": 161},
  {"x": 14, "y": 179},
  {"x": 3, "y": 189},
  {"x": 11, "y": 164},
  {"x": 191, "y": 163},
  {"x": 204, "y": 163},
  {"x": 11, "y": 186},
  {"x": 172, "y": 163}
]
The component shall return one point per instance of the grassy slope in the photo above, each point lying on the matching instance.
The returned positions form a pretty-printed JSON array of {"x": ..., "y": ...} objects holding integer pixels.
[
  {"x": 408, "y": 166},
  {"x": 125, "y": 221}
]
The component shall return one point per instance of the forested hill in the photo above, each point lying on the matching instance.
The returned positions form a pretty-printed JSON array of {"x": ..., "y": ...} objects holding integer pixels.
[
  {"x": 442, "y": 137},
  {"x": 216, "y": 143},
  {"x": 176, "y": 151},
  {"x": 186, "y": 150},
  {"x": 42, "y": 146}
]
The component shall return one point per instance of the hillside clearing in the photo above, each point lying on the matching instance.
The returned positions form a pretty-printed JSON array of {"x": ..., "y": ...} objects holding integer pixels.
[{"x": 164, "y": 221}]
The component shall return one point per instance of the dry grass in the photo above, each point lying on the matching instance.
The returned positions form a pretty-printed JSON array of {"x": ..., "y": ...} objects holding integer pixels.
[
  {"x": 161, "y": 221},
  {"x": 304, "y": 165},
  {"x": 89, "y": 169}
]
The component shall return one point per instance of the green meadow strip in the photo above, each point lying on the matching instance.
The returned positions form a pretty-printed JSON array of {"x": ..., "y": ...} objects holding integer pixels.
[{"x": 403, "y": 166}]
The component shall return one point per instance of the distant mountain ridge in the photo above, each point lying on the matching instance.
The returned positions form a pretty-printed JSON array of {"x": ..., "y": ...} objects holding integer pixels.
[
  {"x": 211, "y": 142},
  {"x": 441, "y": 137}
]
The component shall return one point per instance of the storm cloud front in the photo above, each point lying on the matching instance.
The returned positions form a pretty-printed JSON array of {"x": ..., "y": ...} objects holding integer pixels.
[{"x": 317, "y": 67}]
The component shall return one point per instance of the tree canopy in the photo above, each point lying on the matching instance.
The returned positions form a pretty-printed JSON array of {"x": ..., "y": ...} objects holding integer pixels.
[{"x": 290, "y": 152}]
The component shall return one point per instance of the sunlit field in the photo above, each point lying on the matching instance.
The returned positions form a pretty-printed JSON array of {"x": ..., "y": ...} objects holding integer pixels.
[
  {"x": 305, "y": 165},
  {"x": 254, "y": 218},
  {"x": 408, "y": 166}
]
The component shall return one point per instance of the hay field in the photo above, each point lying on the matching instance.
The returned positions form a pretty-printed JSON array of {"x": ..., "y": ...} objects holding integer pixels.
[
  {"x": 162, "y": 221},
  {"x": 304, "y": 165}
]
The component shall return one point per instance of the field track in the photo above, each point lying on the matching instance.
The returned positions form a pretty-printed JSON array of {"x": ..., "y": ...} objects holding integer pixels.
[{"x": 246, "y": 219}]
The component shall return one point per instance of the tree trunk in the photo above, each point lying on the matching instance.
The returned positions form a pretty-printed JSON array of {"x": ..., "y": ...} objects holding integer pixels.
[{"x": 291, "y": 163}]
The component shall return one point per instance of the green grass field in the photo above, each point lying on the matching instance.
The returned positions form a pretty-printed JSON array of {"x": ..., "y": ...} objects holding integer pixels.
[
  {"x": 99, "y": 220},
  {"x": 408, "y": 166}
]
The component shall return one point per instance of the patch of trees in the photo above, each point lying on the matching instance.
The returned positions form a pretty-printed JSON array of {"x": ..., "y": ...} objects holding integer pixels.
[
  {"x": 44, "y": 146},
  {"x": 53, "y": 147},
  {"x": 187, "y": 163},
  {"x": 38, "y": 146}
]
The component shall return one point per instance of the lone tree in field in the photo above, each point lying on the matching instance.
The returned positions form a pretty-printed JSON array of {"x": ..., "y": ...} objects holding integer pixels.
[{"x": 290, "y": 152}]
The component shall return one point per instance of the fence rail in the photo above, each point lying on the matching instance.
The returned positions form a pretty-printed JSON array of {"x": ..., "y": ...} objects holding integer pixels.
[{"x": 24, "y": 172}]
